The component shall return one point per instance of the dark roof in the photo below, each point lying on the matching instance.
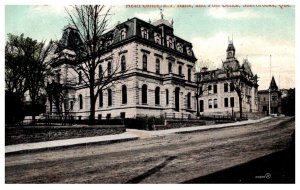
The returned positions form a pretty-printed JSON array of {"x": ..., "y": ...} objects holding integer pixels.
[
  {"x": 230, "y": 47},
  {"x": 273, "y": 85}
]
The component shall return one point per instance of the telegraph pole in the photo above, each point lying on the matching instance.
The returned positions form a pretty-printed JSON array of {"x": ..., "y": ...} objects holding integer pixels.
[{"x": 270, "y": 89}]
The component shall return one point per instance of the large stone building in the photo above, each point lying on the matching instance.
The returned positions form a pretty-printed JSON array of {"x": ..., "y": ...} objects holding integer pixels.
[
  {"x": 274, "y": 105},
  {"x": 219, "y": 96},
  {"x": 159, "y": 79}
]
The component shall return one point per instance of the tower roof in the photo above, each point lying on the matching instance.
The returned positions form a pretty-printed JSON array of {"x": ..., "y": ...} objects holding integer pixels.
[
  {"x": 273, "y": 85},
  {"x": 230, "y": 46}
]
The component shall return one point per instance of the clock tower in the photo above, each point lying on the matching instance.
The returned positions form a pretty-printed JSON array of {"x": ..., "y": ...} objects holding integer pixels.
[{"x": 230, "y": 51}]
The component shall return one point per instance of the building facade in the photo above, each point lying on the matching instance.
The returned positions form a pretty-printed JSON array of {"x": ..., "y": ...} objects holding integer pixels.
[
  {"x": 274, "y": 95},
  {"x": 218, "y": 87},
  {"x": 159, "y": 77}
]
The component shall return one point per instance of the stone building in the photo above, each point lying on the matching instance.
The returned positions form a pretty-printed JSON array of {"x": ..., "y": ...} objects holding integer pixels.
[
  {"x": 275, "y": 103},
  {"x": 159, "y": 79},
  {"x": 218, "y": 93}
]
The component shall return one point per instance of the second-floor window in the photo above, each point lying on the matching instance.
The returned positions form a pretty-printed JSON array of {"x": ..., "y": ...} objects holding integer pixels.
[
  {"x": 157, "y": 66},
  {"x": 180, "y": 70},
  {"x": 170, "y": 67},
  {"x": 189, "y": 74},
  {"x": 225, "y": 87},
  {"x": 215, "y": 89},
  {"x": 123, "y": 63},
  {"x": 145, "y": 62},
  {"x": 109, "y": 68}
]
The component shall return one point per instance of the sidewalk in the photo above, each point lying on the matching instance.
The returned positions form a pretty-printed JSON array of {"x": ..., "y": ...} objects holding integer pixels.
[{"x": 130, "y": 134}]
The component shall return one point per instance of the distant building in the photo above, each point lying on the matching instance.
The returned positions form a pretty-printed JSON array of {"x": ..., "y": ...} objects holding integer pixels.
[
  {"x": 275, "y": 103},
  {"x": 160, "y": 79},
  {"x": 219, "y": 96}
]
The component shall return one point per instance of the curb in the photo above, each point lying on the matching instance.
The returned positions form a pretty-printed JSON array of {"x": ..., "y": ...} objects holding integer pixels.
[{"x": 54, "y": 145}]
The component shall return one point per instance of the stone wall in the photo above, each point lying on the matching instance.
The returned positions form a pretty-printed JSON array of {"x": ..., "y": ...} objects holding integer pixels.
[
  {"x": 172, "y": 124},
  {"x": 29, "y": 134}
]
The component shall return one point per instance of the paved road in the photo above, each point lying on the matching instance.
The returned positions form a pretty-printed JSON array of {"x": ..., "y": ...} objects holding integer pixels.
[{"x": 170, "y": 159}]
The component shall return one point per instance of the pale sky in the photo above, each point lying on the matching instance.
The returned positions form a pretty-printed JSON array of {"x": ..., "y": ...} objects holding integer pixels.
[{"x": 257, "y": 33}]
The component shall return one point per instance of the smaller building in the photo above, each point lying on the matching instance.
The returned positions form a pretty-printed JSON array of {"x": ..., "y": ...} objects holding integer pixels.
[{"x": 263, "y": 99}]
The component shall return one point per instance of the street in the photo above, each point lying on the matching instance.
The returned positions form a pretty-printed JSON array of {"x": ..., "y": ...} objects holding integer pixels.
[{"x": 173, "y": 158}]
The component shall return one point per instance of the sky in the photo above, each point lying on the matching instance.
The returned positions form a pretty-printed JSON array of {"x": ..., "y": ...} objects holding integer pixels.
[{"x": 257, "y": 33}]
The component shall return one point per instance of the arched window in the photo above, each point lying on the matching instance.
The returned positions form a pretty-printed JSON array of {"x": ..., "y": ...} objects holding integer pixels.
[
  {"x": 157, "y": 96},
  {"x": 145, "y": 62},
  {"x": 180, "y": 70},
  {"x": 157, "y": 66},
  {"x": 109, "y": 68},
  {"x": 124, "y": 94},
  {"x": 170, "y": 67},
  {"x": 167, "y": 97},
  {"x": 123, "y": 63},
  {"x": 100, "y": 98},
  {"x": 144, "y": 94},
  {"x": 109, "y": 97},
  {"x": 80, "y": 101},
  {"x": 79, "y": 76},
  {"x": 188, "y": 100},
  {"x": 123, "y": 34},
  {"x": 100, "y": 71}
]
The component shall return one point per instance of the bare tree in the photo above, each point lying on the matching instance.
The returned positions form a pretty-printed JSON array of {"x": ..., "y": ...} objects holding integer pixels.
[{"x": 91, "y": 22}]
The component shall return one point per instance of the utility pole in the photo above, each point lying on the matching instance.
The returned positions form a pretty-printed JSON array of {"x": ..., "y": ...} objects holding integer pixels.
[{"x": 270, "y": 89}]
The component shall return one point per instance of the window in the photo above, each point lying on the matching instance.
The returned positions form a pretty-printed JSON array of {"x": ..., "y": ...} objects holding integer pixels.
[
  {"x": 189, "y": 51},
  {"x": 210, "y": 103},
  {"x": 189, "y": 75},
  {"x": 108, "y": 116},
  {"x": 123, "y": 34},
  {"x": 231, "y": 87},
  {"x": 145, "y": 62},
  {"x": 122, "y": 115},
  {"x": 170, "y": 67},
  {"x": 179, "y": 47},
  {"x": 167, "y": 97},
  {"x": 80, "y": 101},
  {"x": 144, "y": 94},
  {"x": 226, "y": 102},
  {"x": 71, "y": 105},
  {"x": 124, "y": 94},
  {"x": 265, "y": 108},
  {"x": 123, "y": 63},
  {"x": 188, "y": 100},
  {"x": 144, "y": 33},
  {"x": 209, "y": 89},
  {"x": 170, "y": 43},
  {"x": 100, "y": 71},
  {"x": 109, "y": 97},
  {"x": 80, "y": 76},
  {"x": 157, "y": 38},
  {"x": 157, "y": 96},
  {"x": 109, "y": 68},
  {"x": 100, "y": 98},
  {"x": 157, "y": 66},
  {"x": 225, "y": 87},
  {"x": 215, "y": 89},
  {"x": 180, "y": 70},
  {"x": 215, "y": 103},
  {"x": 232, "y": 101}
]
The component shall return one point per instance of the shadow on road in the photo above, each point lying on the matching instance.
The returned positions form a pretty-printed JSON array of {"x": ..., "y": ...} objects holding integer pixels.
[
  {"x": 278, "y": 167},
  {"x": 151, "y": 171}
]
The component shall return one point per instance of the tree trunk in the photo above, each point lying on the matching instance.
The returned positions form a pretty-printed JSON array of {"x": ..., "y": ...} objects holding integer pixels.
[
  {"x": 198, "y": 111},
  {"x": 241, "y": 109},
  {"x": 92, "y": 105}
]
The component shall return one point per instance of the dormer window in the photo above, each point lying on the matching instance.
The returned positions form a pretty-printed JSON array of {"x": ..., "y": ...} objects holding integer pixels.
[
  {"x": 144, "y": 33},
  {"x": 170, "y": 42},
  {"x": 157, "y": 38},
  {"x": 123, "y": 34},
  {"x": 179, "y": 47},
  {"x": 189, "y": 51}
]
